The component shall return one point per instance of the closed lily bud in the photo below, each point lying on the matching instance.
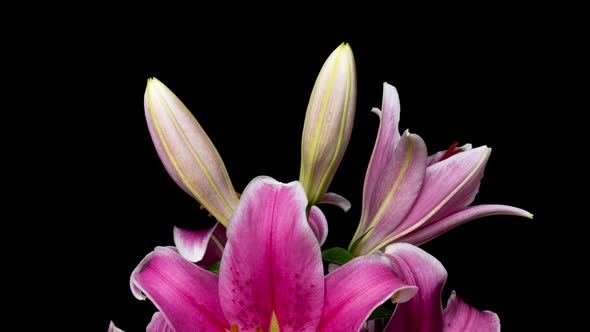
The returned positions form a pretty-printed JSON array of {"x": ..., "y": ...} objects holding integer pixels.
[
  {"x": 187, "y": 152},
  {"x": 328, "y": 123}
]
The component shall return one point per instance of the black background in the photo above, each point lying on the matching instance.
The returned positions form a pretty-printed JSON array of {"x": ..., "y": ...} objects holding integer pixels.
[{"x": 248, "y": 86}]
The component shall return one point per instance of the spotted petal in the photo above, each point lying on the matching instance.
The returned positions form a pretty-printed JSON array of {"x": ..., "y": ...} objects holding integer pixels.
[{"x": 272, "y": 260}]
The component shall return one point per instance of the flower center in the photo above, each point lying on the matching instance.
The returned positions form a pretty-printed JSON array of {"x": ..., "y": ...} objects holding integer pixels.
[{"x": 274, "y": 326}]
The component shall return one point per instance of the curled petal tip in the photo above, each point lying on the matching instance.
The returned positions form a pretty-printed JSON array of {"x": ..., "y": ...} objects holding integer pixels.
[
  {"x": 404, "y": 294},
  {"x": 376, "y": 111}
]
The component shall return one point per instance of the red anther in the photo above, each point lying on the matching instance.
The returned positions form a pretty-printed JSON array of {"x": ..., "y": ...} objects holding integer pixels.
[{"x": 451, "y": 151}]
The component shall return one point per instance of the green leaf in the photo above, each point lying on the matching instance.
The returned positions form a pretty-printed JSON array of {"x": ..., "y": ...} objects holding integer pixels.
[
  {"x": 336, "y": 255},
  {"x": 214, "y": 267},
  {"x": 381, "y": 313}
]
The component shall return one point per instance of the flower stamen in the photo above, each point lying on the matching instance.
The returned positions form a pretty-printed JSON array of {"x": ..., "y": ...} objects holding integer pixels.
[{"x": 451, "y": 151}]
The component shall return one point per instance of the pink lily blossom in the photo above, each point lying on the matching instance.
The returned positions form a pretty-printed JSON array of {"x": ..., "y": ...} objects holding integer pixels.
[
  {"x": 193, "y": 162},
  {"x": 424, "y": 311},
  {"x": 271, "y": 275},
  {"x": 411, "y": 197}
]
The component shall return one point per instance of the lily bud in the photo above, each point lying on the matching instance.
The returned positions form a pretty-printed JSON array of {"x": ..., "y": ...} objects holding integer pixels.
[
  {"x": 328, "y": 122},
  {"x": 187, "y": 152}
]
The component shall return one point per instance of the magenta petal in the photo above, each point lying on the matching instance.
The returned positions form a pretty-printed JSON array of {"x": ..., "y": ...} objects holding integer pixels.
[
  {"x": 192, "y": 244},
  {"x": 158, "y": 324},
  {"x": 355, "y": 289},
  {"x": 272, "y": 260},
  {"x": 183, "y": 292},
  {"x": 437, "y": 228},
  {"x": 113, "y": 328},
  {"x": 318, "y": 224},
  {"x": 460, "y": 317},
  {"x": 335, "y": 199},
  {"x": 424, "y": 311}
]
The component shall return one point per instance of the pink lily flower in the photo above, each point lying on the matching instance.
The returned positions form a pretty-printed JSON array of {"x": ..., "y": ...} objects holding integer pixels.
[
  {"x": 411, "y": 197},
  {"x": 271, "y": 275},
  {"x": 424, "y": 311},
  {"x": 193, "y": 162}
]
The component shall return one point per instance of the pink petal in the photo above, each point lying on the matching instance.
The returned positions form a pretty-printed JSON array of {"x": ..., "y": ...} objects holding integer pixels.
[
  {"x": 424, "y": 311},
  {"x": 318, "y": 224},
  {"x": 460, "y": 317},
  {"x": 185, "y": 294},
  {"x": 467, "y": 191},
  {"x": 187, "y": 152},
  {"x": 394, "y": 195},
  {"x": 385, "y": 144},
  {"x": 335, "y": 199},
  {"x": 355, "y": 289},
  {"x": 272, "y": 260},
  {"x": 448, "y": 186},
  {"x": 113, "y": 328},
  {"x": 158, "y": 324},
  {"x": 437, "y": 228},
  {"x": 192, "y": 244}
]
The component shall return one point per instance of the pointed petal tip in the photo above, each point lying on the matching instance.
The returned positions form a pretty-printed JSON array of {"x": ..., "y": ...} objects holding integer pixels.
[
  {"x": 466, "y": 147},
  {"x": 113, "y": 328},
  {"x": 514, "y": 211},
  {"x": 335, "y": 199},
  {"x": 346, "y": 47},
  {"x": 192, "y": 244},
  {"x": 151, "y": 81},
  {"x": 522, "y": 213},
  {"x": 390, "y": 87},
  {"x": 376, "y": 111}
]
